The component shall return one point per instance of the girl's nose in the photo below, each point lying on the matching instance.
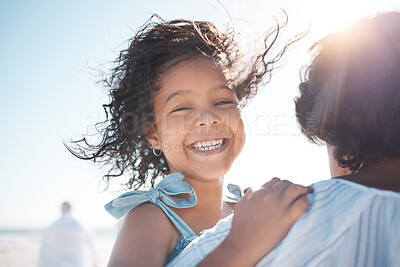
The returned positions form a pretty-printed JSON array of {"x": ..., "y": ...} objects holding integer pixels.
[{"x": 207, "y": 118}]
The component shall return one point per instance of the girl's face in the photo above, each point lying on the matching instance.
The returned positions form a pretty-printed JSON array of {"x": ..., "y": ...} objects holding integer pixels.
[{"x": 198, "y": 123}]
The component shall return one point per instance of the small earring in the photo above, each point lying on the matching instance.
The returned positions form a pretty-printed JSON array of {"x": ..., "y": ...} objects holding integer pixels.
[{"x": 157, "y": 154}]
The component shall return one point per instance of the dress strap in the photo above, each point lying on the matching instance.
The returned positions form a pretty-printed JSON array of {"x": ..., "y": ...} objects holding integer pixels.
[
  {"x": 161, "y": 196},
  {"x": 182, "y": 226}
]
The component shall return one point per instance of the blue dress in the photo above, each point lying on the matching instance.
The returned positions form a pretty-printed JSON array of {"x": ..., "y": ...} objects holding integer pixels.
[{"x": 162, "y": 196}]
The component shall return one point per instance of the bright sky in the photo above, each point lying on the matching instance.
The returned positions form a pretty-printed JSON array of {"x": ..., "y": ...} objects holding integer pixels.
[{"x": 49, "y": 91}]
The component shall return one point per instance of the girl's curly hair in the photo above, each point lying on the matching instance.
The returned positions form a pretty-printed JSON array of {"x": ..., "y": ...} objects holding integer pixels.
[
  {"x": 350, "y": 93},
  {"x": 135, "y": 78}
]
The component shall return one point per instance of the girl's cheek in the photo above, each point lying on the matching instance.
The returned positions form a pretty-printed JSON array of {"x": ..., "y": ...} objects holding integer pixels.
[
  {"x": 236, "y": 123},
  {"x": 169, "y": 126},
  {"x": 180, "y": 124},
  {"x": 240, "y": 128}
]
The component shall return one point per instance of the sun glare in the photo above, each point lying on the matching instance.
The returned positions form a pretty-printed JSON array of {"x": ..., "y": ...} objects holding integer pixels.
[{"x": 329, "y": 16}]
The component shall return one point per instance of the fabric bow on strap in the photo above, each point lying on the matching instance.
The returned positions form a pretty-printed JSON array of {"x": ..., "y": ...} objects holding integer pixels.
[
  {"x": 170, "y": 186},
  {"x": 234, "y": 193}
]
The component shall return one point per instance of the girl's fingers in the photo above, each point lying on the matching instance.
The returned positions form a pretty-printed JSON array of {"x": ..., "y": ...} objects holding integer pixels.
[
  {"x": 248, "y": 190},
  {"x": 280, "y": 187},
  {"x": 298, "y": 207},
  {"x": 292, "y": 193},
  {"x": 271, "y": 182},
  {"x": 247, "y": 194}
]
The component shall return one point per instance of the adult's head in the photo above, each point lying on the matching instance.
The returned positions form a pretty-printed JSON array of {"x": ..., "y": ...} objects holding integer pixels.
[
  {"x": 65, "y": 207},
  {"x": 350, "y": 93}
]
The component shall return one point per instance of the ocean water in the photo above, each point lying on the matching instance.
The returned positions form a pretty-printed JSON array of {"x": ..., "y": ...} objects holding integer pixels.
[{"x": 20, "y": 236}]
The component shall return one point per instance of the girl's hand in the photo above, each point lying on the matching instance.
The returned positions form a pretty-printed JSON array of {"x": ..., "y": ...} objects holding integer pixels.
[{"x": 263, "y": 217}]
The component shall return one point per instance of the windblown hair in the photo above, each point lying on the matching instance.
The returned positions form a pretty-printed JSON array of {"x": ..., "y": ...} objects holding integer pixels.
[
  {"x": 156, "y": 47},
  {"x": 350, "y": 93}
]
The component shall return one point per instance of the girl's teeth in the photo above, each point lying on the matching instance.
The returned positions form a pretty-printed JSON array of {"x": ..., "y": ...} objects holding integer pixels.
[{"x": 208, "y": 145}]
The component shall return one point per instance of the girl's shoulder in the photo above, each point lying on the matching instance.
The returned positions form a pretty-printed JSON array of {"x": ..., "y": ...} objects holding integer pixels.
[
  {"x": 148, "y": 214},
  {"x": 136, "y": 239},
  {"x": 152, "y": 220}
]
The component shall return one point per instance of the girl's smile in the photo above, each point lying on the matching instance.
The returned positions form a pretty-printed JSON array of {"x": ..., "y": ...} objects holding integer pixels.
[
  {"x": 209, "y": 147},
  {"x": 198, "y": 123}
]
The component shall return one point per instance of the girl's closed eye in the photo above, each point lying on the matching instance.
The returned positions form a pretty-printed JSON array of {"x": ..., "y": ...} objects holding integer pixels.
[
  {"x": 225, "y": 102},
  {"x": 180, "y": 109}
]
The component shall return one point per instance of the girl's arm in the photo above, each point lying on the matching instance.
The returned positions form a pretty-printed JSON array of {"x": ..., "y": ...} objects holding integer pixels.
[
  {"x": 145, "y": 238},
  {"x": 261, "y": 220}
]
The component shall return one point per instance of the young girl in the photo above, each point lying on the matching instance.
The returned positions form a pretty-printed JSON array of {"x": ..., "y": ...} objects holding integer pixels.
[{"x": 175, "y": 97}]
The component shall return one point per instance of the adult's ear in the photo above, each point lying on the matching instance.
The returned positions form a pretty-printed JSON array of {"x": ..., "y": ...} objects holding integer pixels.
[
  {"x": 336, "y": 170},
  {"x": 152, "y": 137}
]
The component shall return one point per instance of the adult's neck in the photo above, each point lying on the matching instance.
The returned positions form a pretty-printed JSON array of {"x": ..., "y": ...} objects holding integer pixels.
[{"x": 384, "y": 174}]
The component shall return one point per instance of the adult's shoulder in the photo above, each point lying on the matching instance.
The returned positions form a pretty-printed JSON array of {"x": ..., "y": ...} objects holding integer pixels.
[
  {"x": 334, "y": 199},
  {"x": 341, "y": 219},
  {"x": 339, "y": 191}
]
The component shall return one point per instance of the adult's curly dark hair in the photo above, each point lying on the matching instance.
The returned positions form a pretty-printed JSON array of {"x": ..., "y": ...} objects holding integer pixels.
[
  {"x": 350, "y": 93},
  {"x": 156, "y": 47}
]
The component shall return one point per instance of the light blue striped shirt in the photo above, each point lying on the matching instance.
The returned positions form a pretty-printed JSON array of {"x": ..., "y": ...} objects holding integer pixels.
[{"x": 346, "y": 224}]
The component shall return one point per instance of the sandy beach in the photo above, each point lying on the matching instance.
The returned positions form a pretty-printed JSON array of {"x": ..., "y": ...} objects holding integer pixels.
[
  {"x": 19, "y": 254},
  {"x": 25, "y": 253}
]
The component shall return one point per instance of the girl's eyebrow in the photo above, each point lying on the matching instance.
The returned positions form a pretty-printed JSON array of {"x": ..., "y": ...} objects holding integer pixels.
[
  {"x": 180, "y": 92},
  {"x": 225, "y": 87}
]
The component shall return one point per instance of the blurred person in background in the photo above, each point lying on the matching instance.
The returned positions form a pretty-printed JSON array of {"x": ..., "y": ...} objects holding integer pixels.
[{"x": 65, "y": 241}]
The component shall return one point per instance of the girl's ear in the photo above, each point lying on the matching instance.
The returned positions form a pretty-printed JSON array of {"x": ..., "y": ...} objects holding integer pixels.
[{"x": 152, "y": 137}]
